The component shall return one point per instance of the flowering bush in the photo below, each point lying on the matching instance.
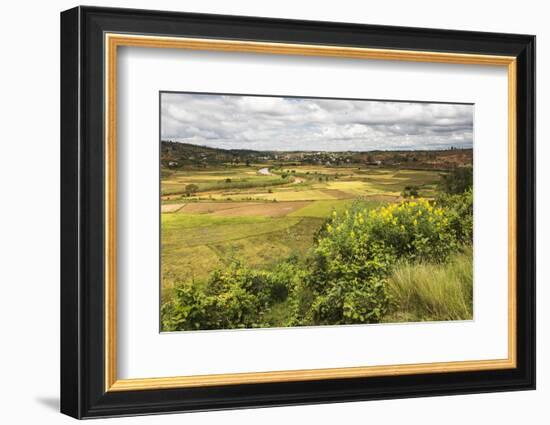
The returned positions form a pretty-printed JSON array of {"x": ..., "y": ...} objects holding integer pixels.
[
  {"x": 417, "y": 230},
  {"x": 355, "y": 251}
]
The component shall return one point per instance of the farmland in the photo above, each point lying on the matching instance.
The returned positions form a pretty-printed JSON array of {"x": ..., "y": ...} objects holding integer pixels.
[
  {"x": 282, "y": 211},
  {"x": 262, "y": 209}
]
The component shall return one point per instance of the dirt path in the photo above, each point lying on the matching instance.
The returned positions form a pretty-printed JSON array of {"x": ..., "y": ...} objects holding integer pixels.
[{"x": 171, "y": 208}]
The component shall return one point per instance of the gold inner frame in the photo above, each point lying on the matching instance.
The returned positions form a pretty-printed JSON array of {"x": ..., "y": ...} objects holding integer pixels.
[{"x": 113, "y": 41}]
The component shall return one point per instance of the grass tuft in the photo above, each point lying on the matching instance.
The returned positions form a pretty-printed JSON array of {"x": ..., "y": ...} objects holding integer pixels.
[{"x": 432, "y": 292}]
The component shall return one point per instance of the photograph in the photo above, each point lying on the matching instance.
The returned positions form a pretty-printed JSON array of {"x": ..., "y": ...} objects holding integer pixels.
[{"x": 286, "y": 211}]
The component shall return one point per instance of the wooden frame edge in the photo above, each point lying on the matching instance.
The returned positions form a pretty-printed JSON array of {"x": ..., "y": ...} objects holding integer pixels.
[
  {"x": 512, "y": 212},
  {"x": 306, "y": 375},
  {"x": 114, "y": 40},
  {"x": 110, "y": 213}
]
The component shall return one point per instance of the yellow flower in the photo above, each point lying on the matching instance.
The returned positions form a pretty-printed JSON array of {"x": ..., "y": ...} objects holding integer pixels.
[
  {"x": 415, "y": 222},
  {"x": 402, "y": 227}
]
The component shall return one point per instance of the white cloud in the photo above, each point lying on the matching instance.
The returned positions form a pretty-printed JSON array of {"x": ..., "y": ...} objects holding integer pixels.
[{"x": 283, "y": 123}]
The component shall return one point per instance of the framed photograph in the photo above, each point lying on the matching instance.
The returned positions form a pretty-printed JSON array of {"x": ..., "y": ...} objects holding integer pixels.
[{"x": 261, "y": 212}]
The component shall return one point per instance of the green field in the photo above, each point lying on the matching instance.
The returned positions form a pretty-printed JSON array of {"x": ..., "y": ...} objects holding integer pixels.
[{"x": 238, "y": 213}]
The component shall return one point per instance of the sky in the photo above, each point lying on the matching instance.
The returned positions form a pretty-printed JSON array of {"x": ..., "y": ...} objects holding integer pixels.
[{"x": 309, "y": 124}]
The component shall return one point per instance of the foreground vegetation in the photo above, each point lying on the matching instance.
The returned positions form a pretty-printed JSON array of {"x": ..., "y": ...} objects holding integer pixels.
[
  {"x": 274, "y": 244},
  {"x": 404, "y": 261}
]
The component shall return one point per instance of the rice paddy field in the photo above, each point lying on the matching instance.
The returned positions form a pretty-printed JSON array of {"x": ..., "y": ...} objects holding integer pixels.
[{"x": 262, "y": 213}]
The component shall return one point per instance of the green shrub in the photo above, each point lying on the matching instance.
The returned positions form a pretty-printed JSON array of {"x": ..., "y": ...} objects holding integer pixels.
[
  {"x": 458, "y": 180},
  {"x": 410, "y": 192},
  {"x": 191, "y": 189},
  {"x": 345, "y": 284},
  {"x": 189, "y": 309},
  {"x": 237, "y": 297},
  {"x": 461, "y": 214}
]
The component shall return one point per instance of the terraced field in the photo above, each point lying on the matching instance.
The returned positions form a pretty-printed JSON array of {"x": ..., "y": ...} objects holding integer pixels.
[{"x": 262, "y": 213}]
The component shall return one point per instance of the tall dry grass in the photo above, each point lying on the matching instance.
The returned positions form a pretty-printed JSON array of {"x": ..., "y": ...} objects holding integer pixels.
[{"x": 433, "y": 292}]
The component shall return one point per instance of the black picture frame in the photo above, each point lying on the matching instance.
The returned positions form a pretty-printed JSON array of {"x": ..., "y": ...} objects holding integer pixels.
[{"x": 83, "y": 392}]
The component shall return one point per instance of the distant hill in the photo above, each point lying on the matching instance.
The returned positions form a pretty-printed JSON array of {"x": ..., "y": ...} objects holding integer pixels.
[
  {"x": 186, "y": 153},
  {"x": 177, "y": 155}
]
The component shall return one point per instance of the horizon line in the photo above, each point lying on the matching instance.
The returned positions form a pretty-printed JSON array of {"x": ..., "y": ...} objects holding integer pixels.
[{"x": 452, "y": 147}]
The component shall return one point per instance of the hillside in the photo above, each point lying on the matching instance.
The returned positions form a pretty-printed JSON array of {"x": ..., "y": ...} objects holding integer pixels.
[{"x": 179, "y": 155}]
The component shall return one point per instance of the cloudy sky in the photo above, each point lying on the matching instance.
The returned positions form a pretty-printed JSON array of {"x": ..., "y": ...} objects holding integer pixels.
[{"x": 283, "y": 123}]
